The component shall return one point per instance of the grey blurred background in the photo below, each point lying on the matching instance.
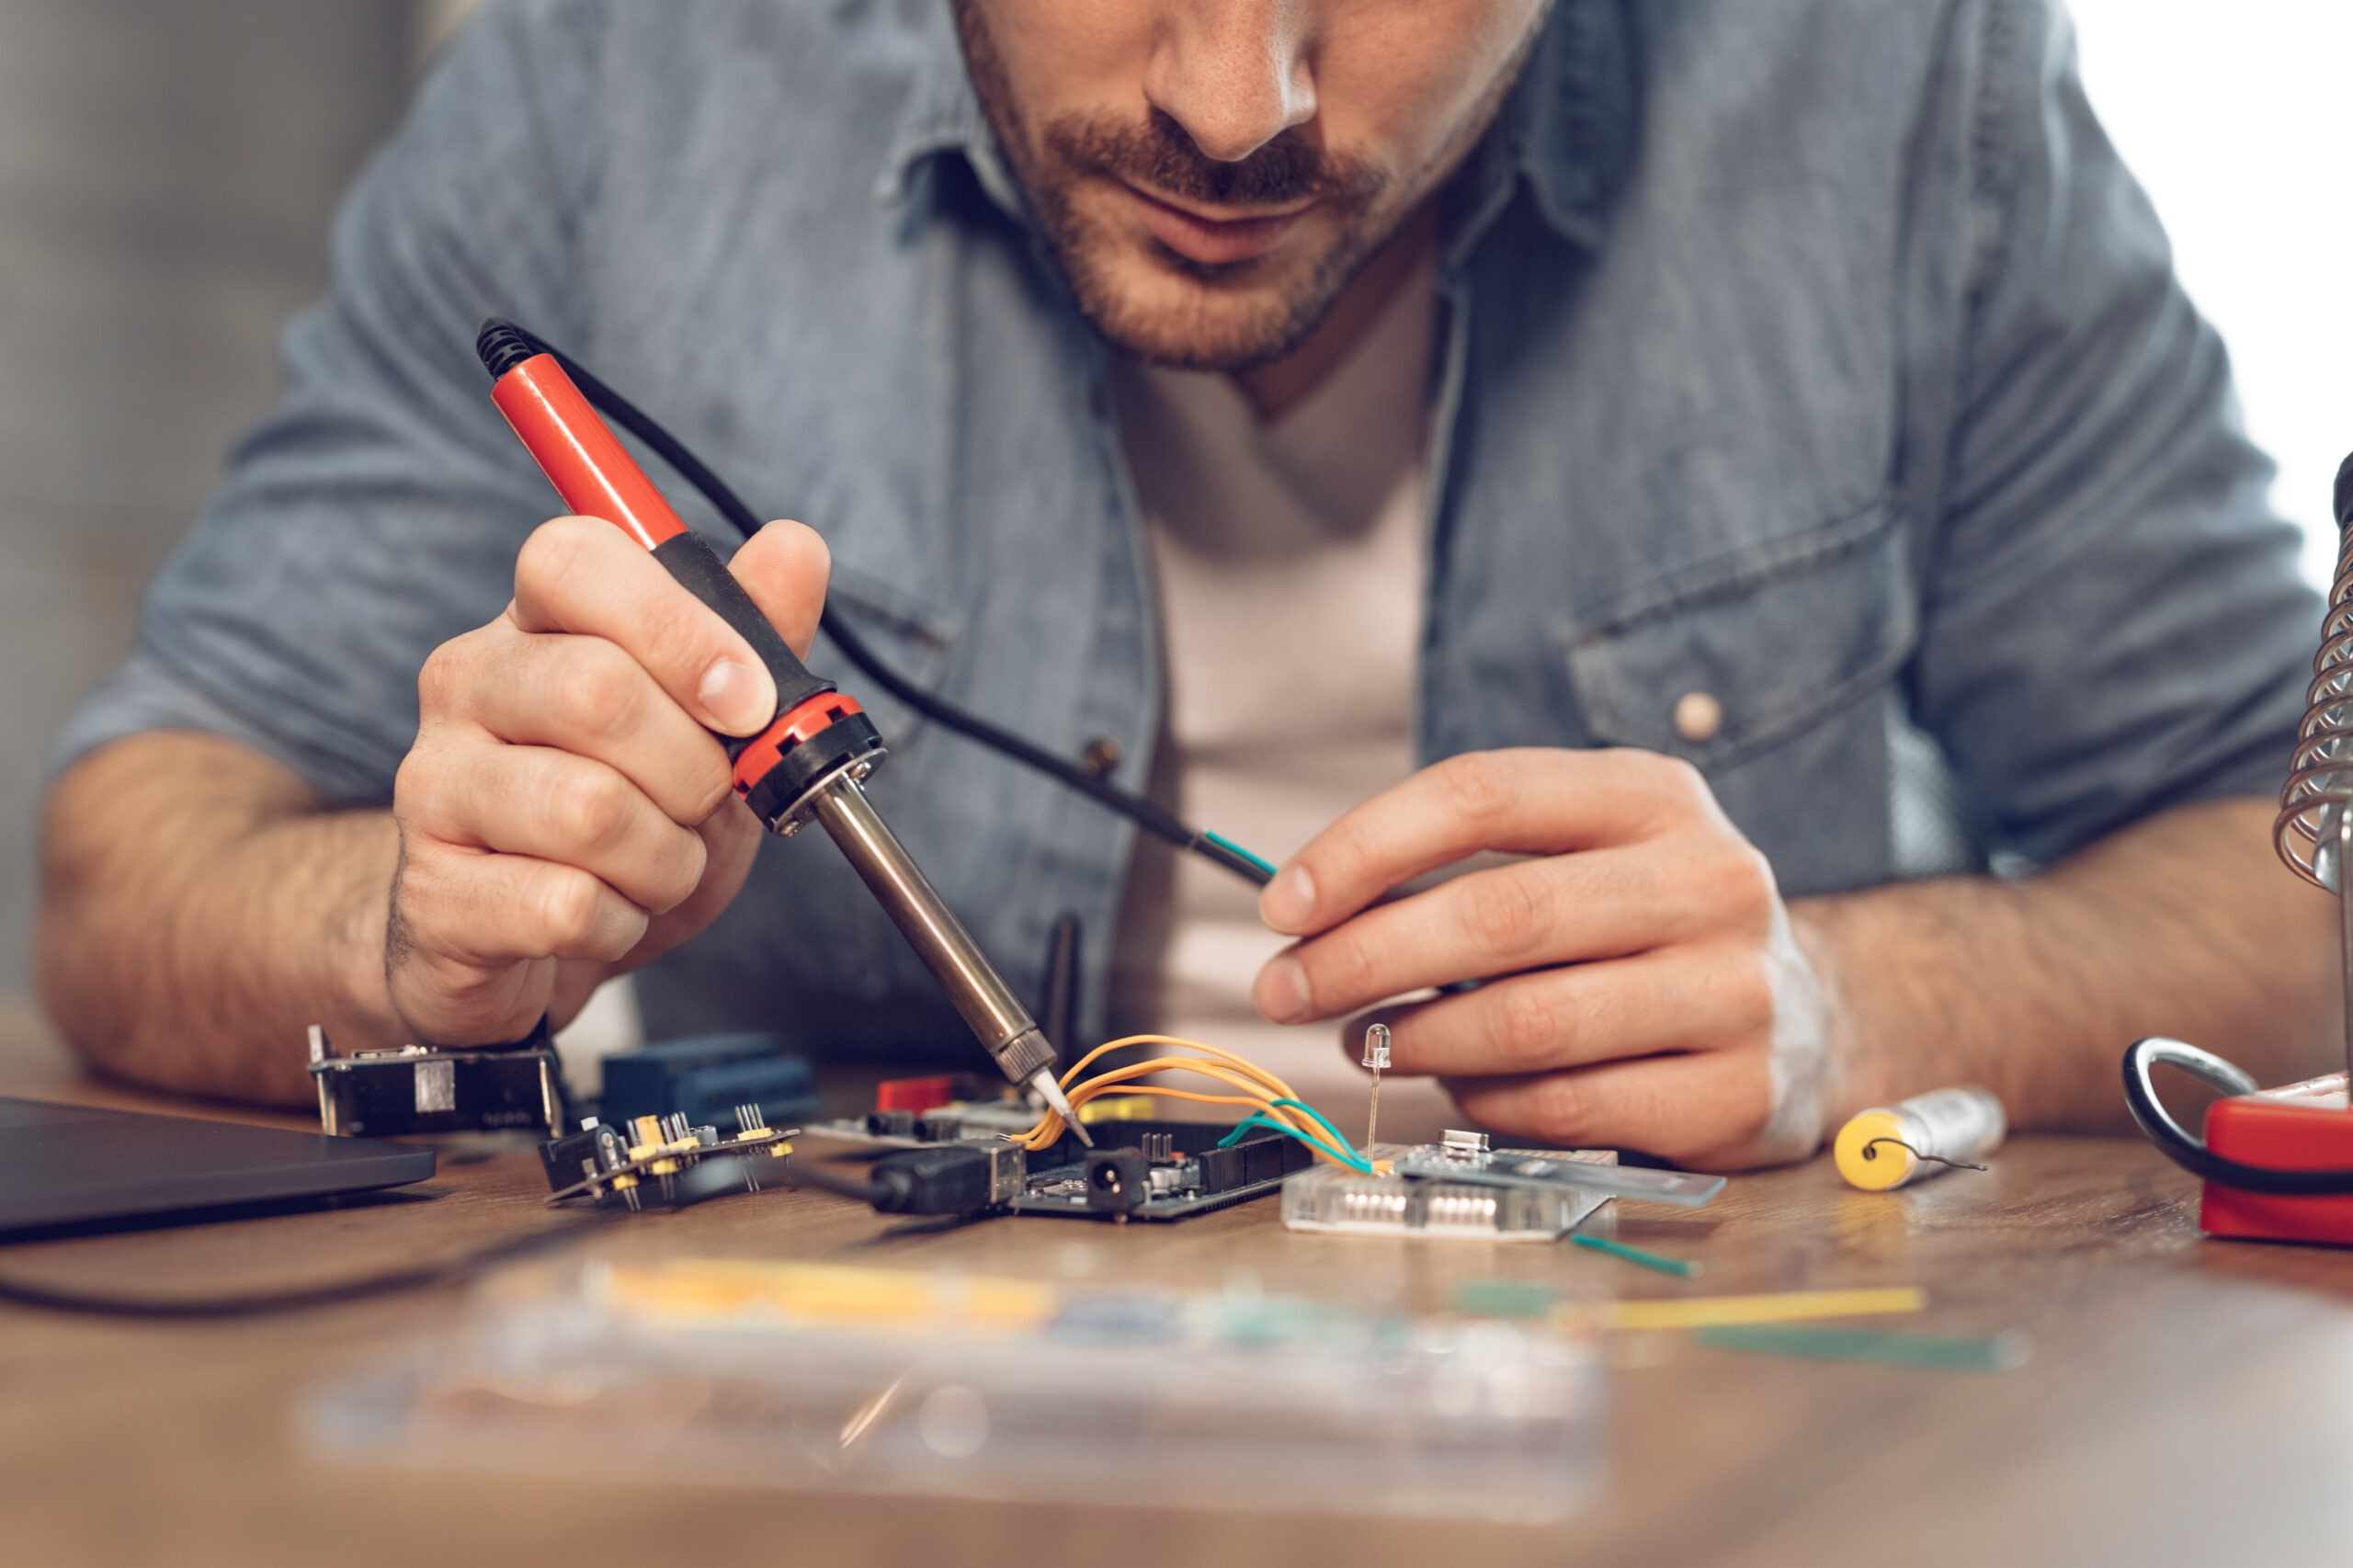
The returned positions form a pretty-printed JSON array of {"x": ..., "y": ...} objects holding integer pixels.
[{"x": 167, "y": 170}]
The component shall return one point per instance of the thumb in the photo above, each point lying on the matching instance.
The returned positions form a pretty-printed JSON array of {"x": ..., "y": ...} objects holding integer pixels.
[{"x": 784, "y": 567}]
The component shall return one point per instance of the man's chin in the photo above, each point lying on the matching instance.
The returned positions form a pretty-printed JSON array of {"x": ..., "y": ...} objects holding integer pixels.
[{"x": 1167, "y": 312}]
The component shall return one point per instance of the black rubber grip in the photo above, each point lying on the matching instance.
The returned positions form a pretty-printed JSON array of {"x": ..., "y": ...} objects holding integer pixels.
[{"x": 690, "y": 558}]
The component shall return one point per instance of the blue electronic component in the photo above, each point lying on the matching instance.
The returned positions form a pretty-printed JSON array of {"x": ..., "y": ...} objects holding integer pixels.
[{"x": 704, "y": 1077}]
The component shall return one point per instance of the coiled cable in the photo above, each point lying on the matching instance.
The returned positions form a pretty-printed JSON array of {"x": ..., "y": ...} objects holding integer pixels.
[{"x": 2320, "y": 774}]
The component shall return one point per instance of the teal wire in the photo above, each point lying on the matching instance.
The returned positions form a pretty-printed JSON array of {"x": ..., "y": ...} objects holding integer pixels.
[
  {"x": 1221, "y": 839},
  {"x": 1682, "y": 1268},
  {"x": 1259, "y": 1118},
  {"x": 1325, "y": 1122}
]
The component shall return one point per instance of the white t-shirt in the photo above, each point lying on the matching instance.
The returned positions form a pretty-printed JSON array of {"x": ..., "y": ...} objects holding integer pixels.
[{"x": 1289, "y": 556}]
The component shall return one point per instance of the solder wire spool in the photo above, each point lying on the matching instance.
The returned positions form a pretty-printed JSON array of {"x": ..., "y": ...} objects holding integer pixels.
[{"x": 1886, "y": 1147}]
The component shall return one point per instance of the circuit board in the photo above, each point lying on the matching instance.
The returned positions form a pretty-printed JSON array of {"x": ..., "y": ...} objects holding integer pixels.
[
  {"x": 1170, "y": 1183},
  {"x": 1461, "y": 1189},
  {"x": 1145, "y": 1170},
  {"x": 1334, "y": 1200}
]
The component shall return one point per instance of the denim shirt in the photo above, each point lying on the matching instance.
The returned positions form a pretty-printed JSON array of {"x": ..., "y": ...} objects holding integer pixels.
[{"x": 1820, "y": 357}]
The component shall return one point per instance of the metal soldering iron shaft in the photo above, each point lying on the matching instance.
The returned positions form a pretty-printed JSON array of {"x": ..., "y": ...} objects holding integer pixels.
[{"x": 981, "y": 997}]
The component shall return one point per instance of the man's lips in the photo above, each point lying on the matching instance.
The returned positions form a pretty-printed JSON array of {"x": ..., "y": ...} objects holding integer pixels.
[{"x": 1212, "y": 242}]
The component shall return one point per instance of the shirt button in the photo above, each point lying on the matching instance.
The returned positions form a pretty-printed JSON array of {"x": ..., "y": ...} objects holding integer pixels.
[
  {"x": 1102, "y": 755},
  {"x": 1698, "y": 716}
]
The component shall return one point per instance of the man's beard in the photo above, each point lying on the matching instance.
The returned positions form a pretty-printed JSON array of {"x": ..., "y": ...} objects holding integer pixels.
[{"x": 1217, "y": 330}]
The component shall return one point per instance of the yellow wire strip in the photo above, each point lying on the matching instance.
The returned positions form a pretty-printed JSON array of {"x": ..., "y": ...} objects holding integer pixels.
[{"x": 1259, "y": 1089}]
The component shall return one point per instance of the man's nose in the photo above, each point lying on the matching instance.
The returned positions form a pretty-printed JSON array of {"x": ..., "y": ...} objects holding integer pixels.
[{"x": 1234, "y": 73}]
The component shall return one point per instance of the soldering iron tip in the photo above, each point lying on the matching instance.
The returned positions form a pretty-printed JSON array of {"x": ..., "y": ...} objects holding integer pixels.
[{"x": 1043, "y": 1082}]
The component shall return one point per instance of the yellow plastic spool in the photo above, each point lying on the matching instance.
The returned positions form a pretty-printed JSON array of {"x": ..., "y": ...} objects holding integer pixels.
[{"x": 1885, "y": 1165}]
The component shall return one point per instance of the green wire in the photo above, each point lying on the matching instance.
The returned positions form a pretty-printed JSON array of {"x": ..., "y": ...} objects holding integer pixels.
[
  {"x": 1224, "y": 843},
  {"x": 1261, "y": 1119},
  {"x": 1325, "y": 1123},
  {"x": 1680, "y": 1268},
  {"x": 1932, "y": 1352}
]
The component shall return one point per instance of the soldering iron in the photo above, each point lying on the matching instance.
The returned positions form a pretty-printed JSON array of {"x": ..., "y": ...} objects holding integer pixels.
[{"x": 810, "y": 760}]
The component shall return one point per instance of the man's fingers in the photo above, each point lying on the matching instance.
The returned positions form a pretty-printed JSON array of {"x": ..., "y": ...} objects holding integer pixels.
[
  {"x": 1562, "y": 909},
  {"x": 1708, "y": 1112},
  {"x": 1687, "y": 999},
  {"x": 731, "y": 840},
  {"x": 484, "y": 910},
  {"x": 1533, "y": 801},
  {"x": 587, "y": 695},
  {"x": 552, "y": 805},
  {"x": 583, "y": 575},
  {"x": 785, "y": 568}
]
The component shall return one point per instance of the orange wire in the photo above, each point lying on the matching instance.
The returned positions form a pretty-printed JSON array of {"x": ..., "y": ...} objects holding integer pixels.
[
  {"x": 1097, "y": 1086},
  {"x": 1312, "y": 1136},
  {"x": 1262, "y": 1086},
  {"x": 1253, "y": 1069}
]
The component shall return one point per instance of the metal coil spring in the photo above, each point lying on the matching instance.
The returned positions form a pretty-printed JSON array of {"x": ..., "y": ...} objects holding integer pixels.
[{"x": 2320, "y": 776}]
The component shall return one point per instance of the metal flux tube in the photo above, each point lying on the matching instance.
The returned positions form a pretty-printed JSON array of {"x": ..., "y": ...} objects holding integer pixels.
[{"x": 987, "y": 1005}]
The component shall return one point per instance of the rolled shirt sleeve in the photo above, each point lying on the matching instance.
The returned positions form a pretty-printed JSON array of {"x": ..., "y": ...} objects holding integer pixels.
[
  {"x": 375, "y": 511},
  {"x": 2113, "y": 622}
]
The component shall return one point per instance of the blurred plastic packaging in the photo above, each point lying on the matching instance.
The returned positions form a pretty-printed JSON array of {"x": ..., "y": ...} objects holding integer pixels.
[{"x": 871, "y": 1379}]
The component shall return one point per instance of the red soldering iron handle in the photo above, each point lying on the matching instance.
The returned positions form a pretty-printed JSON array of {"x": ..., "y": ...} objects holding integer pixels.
[{"x": 816, "y": 731}]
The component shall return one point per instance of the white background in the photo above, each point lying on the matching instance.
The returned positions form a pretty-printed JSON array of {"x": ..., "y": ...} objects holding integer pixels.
[{"x": 2238, "y": 118}]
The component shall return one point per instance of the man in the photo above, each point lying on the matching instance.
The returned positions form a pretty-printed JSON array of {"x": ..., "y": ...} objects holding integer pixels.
[{"x": 1626, "y": 448}]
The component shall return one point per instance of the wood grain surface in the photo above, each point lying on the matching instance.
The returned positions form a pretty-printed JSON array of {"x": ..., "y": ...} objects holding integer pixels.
[{"x": 2187, "y": 1401}]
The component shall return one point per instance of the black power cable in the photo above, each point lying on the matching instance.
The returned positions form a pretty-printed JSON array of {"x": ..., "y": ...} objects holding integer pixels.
[
  {"x": 954, "y": 1178},
  {"x": 262, "y": 1303},
  {"x": 2190, "y": 1154},
  {"x": 1154, "y": 819}
]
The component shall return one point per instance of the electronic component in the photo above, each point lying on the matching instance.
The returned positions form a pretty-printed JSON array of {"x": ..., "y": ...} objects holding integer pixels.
[
  {"x": 933, "y": 1178},
  {"x": 1336, "y": 1201},
  {"x": 601, "y": 1160},
  {"x": 1923, "y": 1136},
  {"x": 1460, "y": 1188},
  {"x": 1171, "y": 1170},
  {"x": 423, "y": 1088},
  {"x": 915, "y": 1095},
  {"x": 704, "y": 1077},
  {"x": 892, "y": 1124},
  {"x": 1146, "y": 1170},
  {"x": 1464, "y": 1156},
  {"x": 1376, "y": 1057}
]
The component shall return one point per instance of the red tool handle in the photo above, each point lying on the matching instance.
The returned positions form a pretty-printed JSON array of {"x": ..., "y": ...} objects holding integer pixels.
[
  {"x": 580, "y": 454},
  {"x": 597, "y": 478}
]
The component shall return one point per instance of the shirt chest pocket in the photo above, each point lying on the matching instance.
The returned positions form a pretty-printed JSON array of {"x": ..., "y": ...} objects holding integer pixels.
[{"x": 1724, "y": 660}]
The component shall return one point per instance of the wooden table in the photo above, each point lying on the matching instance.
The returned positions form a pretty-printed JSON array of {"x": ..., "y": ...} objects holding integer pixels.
[{"x": 2187, "y": 1401}]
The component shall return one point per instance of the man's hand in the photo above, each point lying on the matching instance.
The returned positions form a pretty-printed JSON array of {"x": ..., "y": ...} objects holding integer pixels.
[
  {"x": 565, "y": 814},
  {"x": 1644, "y": 986}
]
